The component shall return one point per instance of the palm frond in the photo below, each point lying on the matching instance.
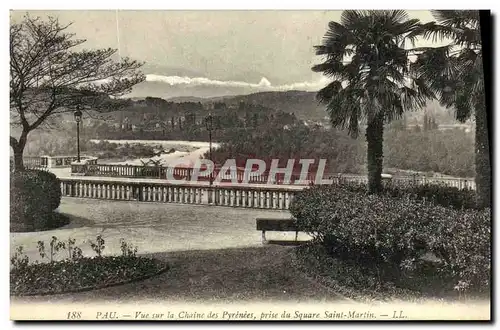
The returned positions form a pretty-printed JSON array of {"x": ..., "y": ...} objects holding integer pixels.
[
  {"x": 458, "y": 18},
  {"x": 326, "y": 94}
]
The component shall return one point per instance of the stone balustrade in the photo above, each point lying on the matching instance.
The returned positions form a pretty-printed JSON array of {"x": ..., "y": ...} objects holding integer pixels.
[{"x": 278, "y": 198}]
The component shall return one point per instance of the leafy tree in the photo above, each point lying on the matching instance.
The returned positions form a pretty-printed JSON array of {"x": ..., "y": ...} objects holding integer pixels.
[
  {"x": 454, "y": 73},
  {"x": 50, "y": 74},
  {"x": 366, "y": 58}
]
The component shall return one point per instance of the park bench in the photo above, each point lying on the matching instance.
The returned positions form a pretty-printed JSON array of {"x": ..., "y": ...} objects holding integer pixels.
[{"x": 267, "y": 224}]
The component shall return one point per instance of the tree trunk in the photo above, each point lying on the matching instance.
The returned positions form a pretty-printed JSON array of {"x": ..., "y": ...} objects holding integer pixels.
[
  {"x": 18, "y": 149},
  {"x": 374, "y": 139},
  {"x": 18, "y": 160},
  {"x": 483, "y": 167}
]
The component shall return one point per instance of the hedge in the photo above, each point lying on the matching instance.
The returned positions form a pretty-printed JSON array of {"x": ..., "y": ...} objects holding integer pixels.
[
  {"x": 396, "y": 232},
  {"x": 34, "y": 196}
]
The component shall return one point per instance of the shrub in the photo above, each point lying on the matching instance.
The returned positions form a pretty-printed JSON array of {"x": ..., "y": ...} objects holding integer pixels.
[
  {"x": 434, "y": 193},
  {"x": 52, "y": 187},
  {"x": 34, "y": 195},
  {"x": 98, "y": 246},
  {"x": 463, "y": 242},
  {"x": 395, "y": 232}
]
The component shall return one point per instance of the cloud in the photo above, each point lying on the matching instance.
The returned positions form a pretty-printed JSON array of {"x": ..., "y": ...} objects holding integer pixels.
[{"x": 263, "y": 85}]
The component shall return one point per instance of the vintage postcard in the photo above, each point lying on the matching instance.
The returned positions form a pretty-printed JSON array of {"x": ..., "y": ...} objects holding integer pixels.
[{"x": 250, "y": 165}]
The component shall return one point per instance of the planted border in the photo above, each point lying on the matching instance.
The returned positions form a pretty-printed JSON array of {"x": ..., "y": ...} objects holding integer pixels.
[{"x": 76, "y": 273}]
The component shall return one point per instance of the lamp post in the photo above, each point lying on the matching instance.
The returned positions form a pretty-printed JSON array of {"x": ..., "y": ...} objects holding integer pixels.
[
  {"x": 78, "y": 119},
  {"x": 210, "y": 126}
]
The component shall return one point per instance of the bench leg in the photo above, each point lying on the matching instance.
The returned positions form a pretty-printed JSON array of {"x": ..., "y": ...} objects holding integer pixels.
[{"x": 264, "y": 241}]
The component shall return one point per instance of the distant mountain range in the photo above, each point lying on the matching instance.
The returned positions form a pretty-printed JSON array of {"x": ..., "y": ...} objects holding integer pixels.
[
  {"x": 302, "y": 104},
  {"x": 305, "y": 106}
]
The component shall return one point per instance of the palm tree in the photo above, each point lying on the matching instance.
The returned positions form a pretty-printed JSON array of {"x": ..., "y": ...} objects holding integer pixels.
[
  {"x": 454, "y": 73},
  {"x": 365, "y": 55}
]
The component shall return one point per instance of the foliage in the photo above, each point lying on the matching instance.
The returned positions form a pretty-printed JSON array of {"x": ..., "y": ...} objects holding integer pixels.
[
  {"x": 434, "y": 193},
  {"x": 83, "y": 274},
  {"x": 448, "y": 152},
  {"x": 98, "y": 246},
  {"x": 19, "y": 260},
  {"x": 394, "y": 233},
  {"x": 77, "y": 273},
  {"x": 365, "y": 283},
  {"x": 454, "y": 73},
  {"x": 34, "y": 195},
  {"x": 297, "y": 142},
  {"x": 127, "y": 249},
  {"x": 52, "y": 187},
  {"x": 366, "y": 58},
  {"x": 50, "y": 73}
]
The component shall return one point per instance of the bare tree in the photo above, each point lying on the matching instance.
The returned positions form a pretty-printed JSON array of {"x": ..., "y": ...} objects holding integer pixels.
[{"x": 50, "y": 73}]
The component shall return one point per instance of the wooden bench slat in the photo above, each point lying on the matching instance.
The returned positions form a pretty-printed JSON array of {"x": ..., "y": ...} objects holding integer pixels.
[{"x": 276, "y": 225}]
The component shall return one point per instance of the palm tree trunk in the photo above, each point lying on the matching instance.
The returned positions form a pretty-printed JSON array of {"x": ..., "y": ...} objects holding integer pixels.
[
  {"x": 483, "y": 167},
  {"x": 375, "y": 156}
]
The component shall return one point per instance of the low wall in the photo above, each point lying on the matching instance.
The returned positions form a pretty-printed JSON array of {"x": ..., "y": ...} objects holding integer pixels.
[
  {"x": 160, "y": 172},
  {"x": 278, "y": 198},
  {"x": 57, "y": 161}
]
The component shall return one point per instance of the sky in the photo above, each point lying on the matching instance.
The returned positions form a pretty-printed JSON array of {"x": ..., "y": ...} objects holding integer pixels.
[{"x": 264, "y": 49}]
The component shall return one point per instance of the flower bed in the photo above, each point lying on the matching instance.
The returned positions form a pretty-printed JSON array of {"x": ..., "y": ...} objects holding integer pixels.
[
  {"x": 81, "y": 275},
  {"x": 76, "y": 272}
]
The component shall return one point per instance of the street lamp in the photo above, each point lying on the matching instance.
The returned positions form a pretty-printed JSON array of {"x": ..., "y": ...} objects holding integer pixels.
[
  {"x": 210, "y": 126},
  {"x": 78, "y": 119}
]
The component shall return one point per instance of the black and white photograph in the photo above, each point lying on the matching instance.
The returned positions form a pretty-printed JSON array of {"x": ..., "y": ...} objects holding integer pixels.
[{"x": 250, "y": 165}]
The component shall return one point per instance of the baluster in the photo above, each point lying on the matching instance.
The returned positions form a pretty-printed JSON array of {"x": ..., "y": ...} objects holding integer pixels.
[
  {"x": 252, "y": 198},
  {"x": 222, "y": 196},
  {"x": 237, "y": 195},
  {"x": 170, "y": 193},
  {"x": 227, "y": 194}
]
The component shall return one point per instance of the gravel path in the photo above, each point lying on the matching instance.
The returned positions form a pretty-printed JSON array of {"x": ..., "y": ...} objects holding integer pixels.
[{"x": 154, "y": 227}]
